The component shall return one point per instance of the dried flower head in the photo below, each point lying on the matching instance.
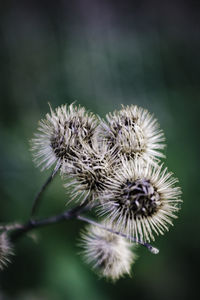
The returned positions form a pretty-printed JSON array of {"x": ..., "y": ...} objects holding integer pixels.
[
  {"x": 132, "y": 130},
  {"x": 109, "y": 254},
  {"x": 62, "y": 132},
  {"x": 141, "y": 200},
  {"x": 5, "y": 250},
  {"x": 87, "y": 171}
]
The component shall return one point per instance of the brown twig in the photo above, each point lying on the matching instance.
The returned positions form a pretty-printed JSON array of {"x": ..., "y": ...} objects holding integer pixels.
[{"x": 33, "y": 224}]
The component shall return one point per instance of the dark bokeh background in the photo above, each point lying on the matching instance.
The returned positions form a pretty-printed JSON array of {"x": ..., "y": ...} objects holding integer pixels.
[{"x": 100, "y": 53}]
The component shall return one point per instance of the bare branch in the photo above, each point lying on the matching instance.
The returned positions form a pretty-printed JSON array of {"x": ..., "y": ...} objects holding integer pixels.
[
  {"x": 33, "y": 224},
  {"x": 148, "y": 246},
  {"x": 43, "y": 188},
  {"x": 75, "y": 212}
]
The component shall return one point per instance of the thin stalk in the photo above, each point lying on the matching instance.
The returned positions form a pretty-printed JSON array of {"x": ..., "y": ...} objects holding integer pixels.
[
  {"x": 20, "y": 230},
  {"x": 33, "y": 224},
  {"x": 148, "y": 246},
  {"x": 36, "y": 201}
]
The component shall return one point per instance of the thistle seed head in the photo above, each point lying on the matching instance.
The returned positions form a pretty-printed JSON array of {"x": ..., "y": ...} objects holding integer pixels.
[
  {"x": 62, "y": 132},
  {"x": 5, "y": 250},
  {"x": 108, "y": 253},
  {"x": 132, "y": 131},
  {"x": 140, "y": 200},
  {"x": 140, "y": 196},
  {"x": 87, "y": 172}
]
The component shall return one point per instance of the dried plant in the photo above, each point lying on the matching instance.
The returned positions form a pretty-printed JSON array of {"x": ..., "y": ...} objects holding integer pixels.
[
  {"x": 140, "y": 199},
  {"x": 110, "y": 167},
  {"x": 108, "y": 253},
  {"x": 132, "y": 131}
]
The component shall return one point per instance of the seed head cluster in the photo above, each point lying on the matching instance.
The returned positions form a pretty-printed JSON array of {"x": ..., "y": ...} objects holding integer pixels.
[{"x": 113, "y": 164}]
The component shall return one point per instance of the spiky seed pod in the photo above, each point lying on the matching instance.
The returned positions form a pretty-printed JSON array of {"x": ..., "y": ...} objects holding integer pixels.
[
  {"x": 109, "y": 254},
  {"x": 141, "y": 200},
  {"x": 87, "y": 171},
  {"x": 61, "y": 131},
  {"x": 132, "y": 130},
  {"x": 5, "y": 250}
]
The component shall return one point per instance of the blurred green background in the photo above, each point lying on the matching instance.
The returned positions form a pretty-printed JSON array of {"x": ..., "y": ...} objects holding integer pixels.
[{"x": 102, "y": 54}]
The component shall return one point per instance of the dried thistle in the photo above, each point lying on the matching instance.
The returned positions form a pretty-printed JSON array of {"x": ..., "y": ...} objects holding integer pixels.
[
  {"x": 62, "y": 132},
  {"x": 115, "y": 163},
  {"x": 132, "y": 131},
  {"x": 109, "y": 254},
  {"x": 87, "y": 171},
  {"x": 140, "y": 200}
]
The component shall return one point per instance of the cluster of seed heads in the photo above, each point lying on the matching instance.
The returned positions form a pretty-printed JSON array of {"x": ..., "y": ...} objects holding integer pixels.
[{"x": 115, "y": 165}]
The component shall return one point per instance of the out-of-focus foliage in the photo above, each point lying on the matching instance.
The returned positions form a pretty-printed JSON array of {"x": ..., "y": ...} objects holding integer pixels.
[{"x": 102, "y": 54}]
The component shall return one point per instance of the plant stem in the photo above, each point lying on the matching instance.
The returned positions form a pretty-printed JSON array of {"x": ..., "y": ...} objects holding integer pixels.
[
  {"x": 33, "y": 224},
  {"x": 148, "y": 246},
  {"x": 43, "y": 188},
  {"x": 20, "y": 230}
]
